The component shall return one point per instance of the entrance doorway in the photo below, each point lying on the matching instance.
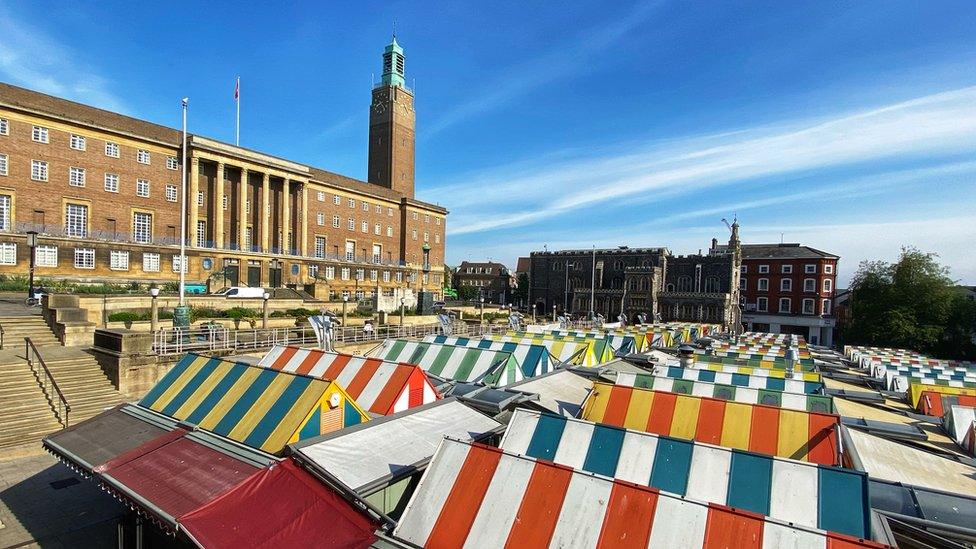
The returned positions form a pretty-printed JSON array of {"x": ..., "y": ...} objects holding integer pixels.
[
  {"x": 232, "y": 272},
  {"x": 254, "y": 274}
]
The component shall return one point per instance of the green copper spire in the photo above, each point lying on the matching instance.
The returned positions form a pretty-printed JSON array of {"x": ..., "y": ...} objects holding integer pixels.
[{"x": 393, "y": 65}]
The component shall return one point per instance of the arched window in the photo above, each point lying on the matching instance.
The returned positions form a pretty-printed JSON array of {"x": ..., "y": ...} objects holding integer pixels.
[
  {"x": 711, "y": 284},
  {"x": 684, "y": 283},
  {"x": 632, "y": 284},
  {"x": 669, "y": 287}
]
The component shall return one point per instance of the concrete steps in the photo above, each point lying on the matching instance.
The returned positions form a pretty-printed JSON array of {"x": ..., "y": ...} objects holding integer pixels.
[{"x": 16, "y": 328}]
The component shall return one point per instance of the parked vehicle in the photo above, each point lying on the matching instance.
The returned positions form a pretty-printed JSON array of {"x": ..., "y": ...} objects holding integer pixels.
[{"x": 240, "y": 292}]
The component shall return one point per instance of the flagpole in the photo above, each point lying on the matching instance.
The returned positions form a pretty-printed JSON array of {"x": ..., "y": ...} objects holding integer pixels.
[{"x": 237, "y": 133}]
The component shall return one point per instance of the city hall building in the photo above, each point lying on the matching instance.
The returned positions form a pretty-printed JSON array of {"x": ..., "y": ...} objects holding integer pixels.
[{"x": 103, "y": 191}]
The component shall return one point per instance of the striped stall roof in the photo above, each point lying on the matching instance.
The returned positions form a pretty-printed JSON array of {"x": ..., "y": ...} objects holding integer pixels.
[
  {"x": 794, "y": 434},
  {"x": 468, "y": 364},
  {"x": 917, "y": 386},
  {"x": 936, "y": 404},
  {"x": 380, "y": 386},
  {"x": 958, "y": 421},
  {"x": 600, "y": 345},
  {"x": 579, "y": 353},
  {"x": 261, "y": 408},
  {"x": 897, "y": 378},
  {"x": 475, "y": 495},
  {"x": 751, "y": 378},
  {"x": 619, "y": 341},
  {"x": 769, "y": 397},
  {"x": 761, "y": 372},
  {"x": 805, "y": 494},
  {"x": 771, "y": 363},
  {"x": 534, "y": 360}
]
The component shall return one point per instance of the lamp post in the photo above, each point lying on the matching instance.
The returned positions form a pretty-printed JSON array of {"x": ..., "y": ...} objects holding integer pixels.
[
  {"x": 553, "y": 313},
  {"x": 403, "y": 300},
  {"x": 482, "y": 310},
  {"x": 31, "y": 244},
  {"x": 345, "y": 301},
  {"x": 154, "y": 316},
  {"x": 533, "y": 312},
  {"x": 181, "y": 315},
  {"x": 264, "y": 319}
]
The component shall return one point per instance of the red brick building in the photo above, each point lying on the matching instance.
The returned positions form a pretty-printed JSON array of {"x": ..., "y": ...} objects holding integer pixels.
[
  {"x": 103, "y": 191},
  {"x": 788, "y": 288}
]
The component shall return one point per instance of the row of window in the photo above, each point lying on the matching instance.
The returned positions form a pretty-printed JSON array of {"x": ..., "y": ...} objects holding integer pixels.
[
  {"x": 78, "y": 177},
  {"x": 478, "y": 270},
  {"x": 808, "y": 306},
  {"x": 786, "y": 284},
  {"x": 809, "y": 268},
  {"x": 84, "y": 258},
  {"x": 351, "y": 202},
  {"x": 41, "y": 134}
]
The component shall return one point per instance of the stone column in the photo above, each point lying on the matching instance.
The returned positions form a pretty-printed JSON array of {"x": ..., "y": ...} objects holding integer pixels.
[
  {"x": 217, "y": 224},
  {"x": 265, "y": 212},
  {"x": 191, "y": 201},
  {"x": 285, "y": 216},
  {"x": 303, "y": 221},
  {"x": 242, "y": 211}
]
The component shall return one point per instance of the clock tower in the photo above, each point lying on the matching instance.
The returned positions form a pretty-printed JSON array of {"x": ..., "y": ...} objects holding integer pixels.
[{"x": 391, "y": 127}]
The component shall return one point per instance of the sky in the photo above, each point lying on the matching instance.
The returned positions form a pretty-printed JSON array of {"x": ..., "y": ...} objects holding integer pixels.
[{"x": 846, "y": 126}]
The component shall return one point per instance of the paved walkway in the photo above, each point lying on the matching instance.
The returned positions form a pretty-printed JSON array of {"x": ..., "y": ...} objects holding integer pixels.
[{"x": 44, "y": 504}]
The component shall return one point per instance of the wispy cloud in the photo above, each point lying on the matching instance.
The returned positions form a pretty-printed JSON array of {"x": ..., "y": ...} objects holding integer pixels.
[
  {"x": 34, "y": 59},
  {"x": 567, "y": 58},
  {"x": 338, "y": 128},
  {"x": 933, "y": 125}
]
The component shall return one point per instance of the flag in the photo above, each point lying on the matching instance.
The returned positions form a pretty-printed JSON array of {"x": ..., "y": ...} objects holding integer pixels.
[{"x": 237, "y": 89}]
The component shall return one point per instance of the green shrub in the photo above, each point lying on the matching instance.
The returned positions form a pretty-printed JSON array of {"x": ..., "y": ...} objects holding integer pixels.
[
  {"x": 196, "y": 313},
  {"x": 165, "y": 315},
  {"x": 125, "y": 316},
  {"x": 240, "y": 313}
]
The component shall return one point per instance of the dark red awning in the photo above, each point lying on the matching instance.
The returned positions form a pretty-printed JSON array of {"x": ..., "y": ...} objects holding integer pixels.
[{"x": 282, "y": 506}]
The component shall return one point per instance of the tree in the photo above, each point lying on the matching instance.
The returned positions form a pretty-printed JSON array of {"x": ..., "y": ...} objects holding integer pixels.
[
  {"x": 911, "y": 304},
  {"x": 467, "y": 293},
  {"x": 521, "y": 293}
]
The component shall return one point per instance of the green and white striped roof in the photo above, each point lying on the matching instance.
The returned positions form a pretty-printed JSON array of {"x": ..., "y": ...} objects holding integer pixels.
[{"x": 468, "y": 364}]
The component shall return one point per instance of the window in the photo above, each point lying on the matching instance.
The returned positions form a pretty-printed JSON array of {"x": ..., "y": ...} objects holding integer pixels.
[
  {"x": 808, "y": 306},
  {"x": 118, "y": 260},
  {"x": 5, "y": 201},
  {"x": 39, "y": 134},
  {"x": 762, "y": 284},
  {"x": 360, "y": 274},
  {"x": 84, "y": 258},
  {"x": 351, "y": 224},
  {"x": 786, "y": 285},
  {"x": 373, "y": 274},
  {"x": 437, "y": 221},
  {"x": 8, "y": 253},
  {"x": 200, "y": 199},
  {"x": 386, "y": 276},
  {"x": 825, "y": 307},
  {"x": 76, "y": 220},
  {"x": 142, "y": 156},
  {"x": 365, "y": 226},
  {"x": 828, "y": 285},
  {"x": 377, "y": 253},
  {"x": 247, "y": 207},
  {"x": 415, "y": 216},
  {"x": 743, "y": 269},
  {"x": 784, "y": 305},
  {"x": 142, "y": 227},
  {"x": 38, "y": 170},
  {"x": 389, "y": 231},
  {"x": 320, "y": 247},
  {"x": 377, "y": 230},
  {"x": 225, "y": 202},
  {"x": 810, "y": 269},
  {"x": 3, "y": 164},
  {"x": 46, "y": 256},
  {"x": 4, "y": 126},
  {"x": 344, "y": 275},
  {"x": 201, "y": 233},
  {"x": 248, "y": 238},
  {"x": 352, "y": 203},
  {"x": 76, "y": 177},
  {"x": 336, "y": 200},
  {"x": 171, "y": 193},
  {"x": 828, "y": 269},
  {"x": 172, "y": 163},
  {"x": 330, "y": 272},
  {"x": 763, "y": 269},
  {"x": 426, "y": 237},
  {"x": 413, "y": 234},
  {"x": 150, "y": 263},
  {"x": 111, "y": 149},
  {"x": 437, "y": 238},
  {"x": 335, "y": 222},
  {"x": 762, "y": 304},
  {"x": 379, "y": 209},
  {"x": 365, "y": 206},
  {"x": 320, "y": 219},
  {"x": 742, "y": 284},
  {"x": 142, "y": 188},
  {"x": 786, "y": 269},
  {"x": 399, "y": 276},
  {"x": 426, "y": 218},
  {"x": 313, "y": 271},
  {"x": 809, "y": 285},
  {"x": 112, "y": 182},
  {"x": 77, "y": 142},
  {"x": 176, "y": 264},
  {"x": 389, "y": 212},
  {"x": 350, "y": 250}
]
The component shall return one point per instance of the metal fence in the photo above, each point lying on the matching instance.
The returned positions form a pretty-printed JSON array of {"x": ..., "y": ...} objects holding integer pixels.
[{"x": 177, "y": 341}]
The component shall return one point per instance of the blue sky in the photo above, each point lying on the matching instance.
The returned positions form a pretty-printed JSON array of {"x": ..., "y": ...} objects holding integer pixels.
[{"x": 848, "y": 126}]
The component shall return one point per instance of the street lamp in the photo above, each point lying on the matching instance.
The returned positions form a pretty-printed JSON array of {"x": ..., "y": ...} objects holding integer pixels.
[
  {"x": 345, "y": 301},
  {"x": 482, "y": 310},
  {"x": 264, "y": 320},
  {"x": 553, "y": 313},
  {"x": 31, "y": 243},
  {"x": 533, "y": 312},
  {"x": 154, "y": 317},
  {"x": 403, "y": 300}
]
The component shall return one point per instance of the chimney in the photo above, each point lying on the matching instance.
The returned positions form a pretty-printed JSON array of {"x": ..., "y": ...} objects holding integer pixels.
[{"x": 714, "y": 243}]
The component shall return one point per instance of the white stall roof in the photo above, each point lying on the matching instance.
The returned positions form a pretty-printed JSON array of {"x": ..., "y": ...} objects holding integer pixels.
[
  {"x": 561, "y": 392},
  {"x": 372, "y": 454}
]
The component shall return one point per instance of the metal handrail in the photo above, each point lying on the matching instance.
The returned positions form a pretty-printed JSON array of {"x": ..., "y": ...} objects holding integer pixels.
[
  {"x": 63, "y": 409},
  {"x": 1, "y": 336}
]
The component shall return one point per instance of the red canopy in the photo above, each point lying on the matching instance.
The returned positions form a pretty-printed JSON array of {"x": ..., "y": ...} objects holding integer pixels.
[{"x": 281, "y": 506}]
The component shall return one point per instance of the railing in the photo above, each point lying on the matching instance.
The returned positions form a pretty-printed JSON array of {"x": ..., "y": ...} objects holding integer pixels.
[
  {"x": 59, "y": 405},
  {"x": 176, "y": 341},
  {"x": 1, "y": 336}
]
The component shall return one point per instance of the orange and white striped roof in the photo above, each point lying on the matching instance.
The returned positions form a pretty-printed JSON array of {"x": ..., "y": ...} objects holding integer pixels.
[{"x": 380, "y": 386}]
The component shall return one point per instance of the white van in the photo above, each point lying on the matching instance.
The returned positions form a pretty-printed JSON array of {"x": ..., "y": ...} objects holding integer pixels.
[{"x": 240, "y": 292}]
